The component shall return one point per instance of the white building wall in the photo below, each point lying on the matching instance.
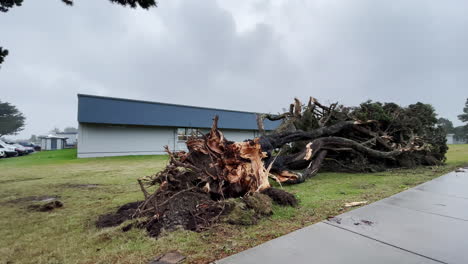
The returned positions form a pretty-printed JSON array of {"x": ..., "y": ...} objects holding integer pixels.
[
  {"x": 43, "y": 144},
  {"x": 238, "y": 135},
  {"x": 60, "y": 143},
  {"x": 99, "y": 140},
  {"x": 450, "y": 139}
]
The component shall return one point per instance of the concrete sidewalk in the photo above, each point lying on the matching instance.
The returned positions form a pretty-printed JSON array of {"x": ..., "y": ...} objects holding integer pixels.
[{"x": 425, "y": 224}]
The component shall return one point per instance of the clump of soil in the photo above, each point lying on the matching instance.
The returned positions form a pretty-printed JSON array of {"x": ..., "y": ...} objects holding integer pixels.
[
  {"x": 239, "y": 213},
  {"x": 281, "y": 197},
  {"x": 124, "y": 213},
  {"x": 260, "y": 203},
  {"x": 42, "y": 203},
  {"x": 49, "y": 206}
]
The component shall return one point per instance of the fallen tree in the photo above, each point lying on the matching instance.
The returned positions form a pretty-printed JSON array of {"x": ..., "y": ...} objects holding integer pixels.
[
  {"x": 370, "y": 137},
  {"x": 197, "y": 187}
]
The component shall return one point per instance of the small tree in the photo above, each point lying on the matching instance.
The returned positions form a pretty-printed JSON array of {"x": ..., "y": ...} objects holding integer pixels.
[
  {"x": 461, "y": 133},
  {"x": 33, "y": 139},
  {"x": 445, "y": 124},
  {"x": 3, "y": 54},
  {"x": 464, "y": 117},
  {"x": 11, "y": 119}
]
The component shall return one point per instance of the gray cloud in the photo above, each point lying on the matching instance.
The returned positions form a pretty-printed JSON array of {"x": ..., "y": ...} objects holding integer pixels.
[{"x": 248, "y": 56}]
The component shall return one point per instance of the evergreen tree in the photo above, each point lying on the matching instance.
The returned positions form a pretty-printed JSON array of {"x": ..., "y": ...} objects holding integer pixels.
[{"x": 11, "y": 119}]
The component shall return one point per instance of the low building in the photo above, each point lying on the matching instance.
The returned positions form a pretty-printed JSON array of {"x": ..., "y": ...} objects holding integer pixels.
[
  {"x": 72, "y": 138},
  {"x": 117, "y": 127},
  {"x": 52, "y": 142},
  {"x": 451, "y": 139}
]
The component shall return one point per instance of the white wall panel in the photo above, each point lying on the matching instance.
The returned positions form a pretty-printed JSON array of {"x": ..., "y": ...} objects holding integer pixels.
[{"x": 96, "y": 140}]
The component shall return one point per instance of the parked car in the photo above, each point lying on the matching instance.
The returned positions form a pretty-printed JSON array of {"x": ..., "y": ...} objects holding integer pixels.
[
  {"x": 20, "y": 149},
  {"x": 37, "y": 147},
  {"x": 28, "y": 146},
  {"x": 32, "y": 145},
  {"x": 9, "y": 150}
]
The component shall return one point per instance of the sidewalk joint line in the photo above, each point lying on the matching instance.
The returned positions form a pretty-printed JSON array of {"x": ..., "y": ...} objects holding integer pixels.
[
  {"x": 388, "y": 244},
  {"x": 422, "y": 211}
]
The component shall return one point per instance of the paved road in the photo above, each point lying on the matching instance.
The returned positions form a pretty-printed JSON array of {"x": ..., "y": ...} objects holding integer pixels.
[{"x": 425, "y": 224}]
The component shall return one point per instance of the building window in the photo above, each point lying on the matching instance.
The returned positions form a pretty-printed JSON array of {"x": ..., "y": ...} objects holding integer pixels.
[{"x": 184, "y": 133}]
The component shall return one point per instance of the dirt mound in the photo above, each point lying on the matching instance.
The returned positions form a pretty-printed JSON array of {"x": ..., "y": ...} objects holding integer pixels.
[
  {"x": 193, "y": 210},
  {"x": 281, "y": 197},
  {"x": 260, "y": 203},
  {"x": 124, "y": 213}
]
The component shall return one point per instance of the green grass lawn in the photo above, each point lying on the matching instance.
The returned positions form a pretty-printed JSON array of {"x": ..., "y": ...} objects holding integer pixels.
[{"x": 68, "y": 235}]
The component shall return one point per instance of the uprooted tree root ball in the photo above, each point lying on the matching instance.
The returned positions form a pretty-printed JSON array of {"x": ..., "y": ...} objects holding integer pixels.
[
  {"x": 218, "y": 180},
  {"x": 215, "y": 181}
]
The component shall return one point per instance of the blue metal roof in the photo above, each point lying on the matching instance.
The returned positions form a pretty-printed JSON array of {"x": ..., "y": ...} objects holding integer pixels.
[{"x": 109, "y": 110}]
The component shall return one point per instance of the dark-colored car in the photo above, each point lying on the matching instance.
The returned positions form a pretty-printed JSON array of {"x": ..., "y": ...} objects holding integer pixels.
[
  {"x": 19, "y": 148},
  {"x": 30, "y": 147}
]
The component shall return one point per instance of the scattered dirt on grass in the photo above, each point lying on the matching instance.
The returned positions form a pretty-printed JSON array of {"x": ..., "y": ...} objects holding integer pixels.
[
  {"x": 80, "y": 186},
  {"x": 281, "y": 197},
  {"x": 42, "y": 198},
  {"x": 364, "y": 186},
  {"x": 42, "y": 203},
  {"x": 19, "y": 180},
  {"x": 49, "y": 206}
]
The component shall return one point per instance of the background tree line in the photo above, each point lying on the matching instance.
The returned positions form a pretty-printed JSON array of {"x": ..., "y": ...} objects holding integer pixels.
[{"x": 460, "y": 132}]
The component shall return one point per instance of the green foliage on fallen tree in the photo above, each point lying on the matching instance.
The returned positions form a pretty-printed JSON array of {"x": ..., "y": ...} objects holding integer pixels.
[{"x": 373, "y": 136}]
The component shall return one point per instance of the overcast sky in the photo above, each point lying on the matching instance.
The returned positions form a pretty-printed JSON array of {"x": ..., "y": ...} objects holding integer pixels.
[{"x": 241, "y": 55}]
